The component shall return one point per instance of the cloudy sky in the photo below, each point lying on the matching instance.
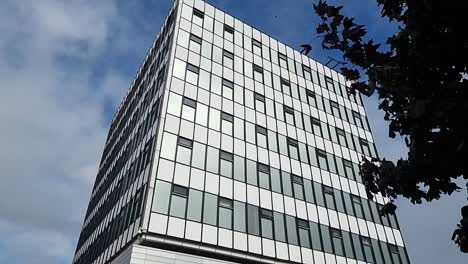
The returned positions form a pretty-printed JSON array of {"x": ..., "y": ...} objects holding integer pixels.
[{"x": 64, "y": 67}]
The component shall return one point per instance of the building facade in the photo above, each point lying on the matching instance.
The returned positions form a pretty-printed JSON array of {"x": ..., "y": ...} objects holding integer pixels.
[{"x": 231, "y": 147}]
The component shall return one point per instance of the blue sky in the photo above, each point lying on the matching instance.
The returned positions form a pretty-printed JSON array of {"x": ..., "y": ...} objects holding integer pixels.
[{"x": 64, "y": 67}]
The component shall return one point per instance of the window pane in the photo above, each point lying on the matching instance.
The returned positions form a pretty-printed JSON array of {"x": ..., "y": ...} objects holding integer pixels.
[
  {"x": 239, "y": 169},
  {"x": 253, "y": 220},
  {"x": 195, "y": 205},
  {"x": 287, "y": 186},
  {"x": 348, "y": 246},
  {"x": 226, "y": 168},
  {"x": 337, "y": 242},
  {"x": 212, "y": 160},
  {"x": 252, "y": 172},
  {"x": 162, "y": 192},
  {"x": 315, "y": 236},
  {"x": 239, "y": 216},
  {"x": 225, "y": 213},
  {"x": 264, "y": 179},
  {"x": 275, "y": 180},
  {"x": 309, "y": 191},
  {"x": 329, "y": 197},
  {"x": 178, "y": 204},
  {"x": 183, "y": 155},
  {"x": 298, "y": 188},
  {"x": 267, "y": 223},
  {"x": 326, "y": 239},
  {"x": 198, "y": 160},
  {"x": 292, "y": 230},
  {"x": 280, "y": 233},
  {"x": 210, "y": 210}
]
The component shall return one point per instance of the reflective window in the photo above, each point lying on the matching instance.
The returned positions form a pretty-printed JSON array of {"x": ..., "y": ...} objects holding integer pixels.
[
  {"x": 348, "y": 246},
  {"x": 315, "y": 236},
  {"x": 349, "y": 171},
  {"x": 289, "y": 115},
  {"x": 210, "y": 210},
  {"x": 252, "y": 172},
  {"x": 298, "y": 187},
  {"x": 337, "y": 240},
  {"x": 228, "y": 89},
  {"x": 322, "y": 159},
  {"x": 275, "y": 180},
  {"x": 253, "y": 220},
  {"x": 357, "y": 204},
  {"x": 367, "y": 248},
  {"x": 195, "y": 203},
  {"x": 307, "y": 73},
  {"x": 357, "y": 119},
  {"x": 335, "y": 109},
  {"x": 341, "y": 137},
  {"x": 262, "y": 139},
  {"x": 192, "y": 74},
  {"x": 212, "y": 160},
  {"x": 283, "y": 60},
  {"x": 184, "y": 150},
  {"x": 198, "y": 16},
  {"x": 263, "y": 176},
  {"x": 304, "y": 233},
  {"x": 228, "y": 33},
  {"x": 266, "y": 222},
  {"x": 286, "y": 86},
  {"x": 292, "y": 230},
  {"x": 326, "y": 239},
  {"x": 311, "y": 99},
  {"x": 178, "y": 201},
  {"x": 226, "y": 164},
  {"x": 162, "y": 191},
  {"x": 365, "y": 147},
  {"x": 293, "y": 149},
  {"x": 286, "y": 182},
  {"x": 239, "y": 216},
  {"x": 395, "y": 254},
  {"x": 316, "y": 127},
  {"x": 280, "y": 233},
  {"x": 225, "y": 213},
  {"x": 259, "y": 103},
  {"x": 257, "y": 47},
  {"x": 227, "y": 123},
  {"x": 239, "y": 168},
  {"x": 195, "y": 43},
  {"x": 258, "y": 73},
  {"x": 188, "y": 109},
  {"x": 329, "y": 197},
  {"x": 228, "y": 59}
]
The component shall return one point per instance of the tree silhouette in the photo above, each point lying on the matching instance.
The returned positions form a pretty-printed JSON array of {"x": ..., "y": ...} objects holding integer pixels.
[{"x": 420, "y": 77}]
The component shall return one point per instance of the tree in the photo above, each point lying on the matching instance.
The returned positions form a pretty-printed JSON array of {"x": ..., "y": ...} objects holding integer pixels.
[{"x": 420, "y": 77}]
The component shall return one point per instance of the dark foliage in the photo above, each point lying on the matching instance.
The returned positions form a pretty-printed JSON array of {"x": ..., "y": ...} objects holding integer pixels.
[{"x": 421, "y": 81}]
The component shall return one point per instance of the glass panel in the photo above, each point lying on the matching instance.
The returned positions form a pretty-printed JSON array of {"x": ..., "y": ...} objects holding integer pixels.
[
  {"x": 226, "y": 168},
  {"x": 339, "y": 201},
  {"x": 239, "y": 169},
  {"x": 275, "y": 180},
  {"x": 183, "y": 155},
  {"x": 162, "y": 192},
  {"x": 239, "y": 216},
  {"x": 319, "y": 194},
  {"x": 253, "y": 220},
  {"x": 178, "y": 204},
  {"x": 225, "y": 213},
  {"x": 212, "y": 160},
  {"x": 198, "y": 160},
  {"x": 210, "y": 210},
  {"x": 357, "y": 206},
  {"x": 252, "y": 173},
  {"x": 315, "y": 235},
  {"x": 280, "y": 233},
  {"x": 298, "y": 188},
  {"x": 309, "y": 191},
  {"x": 348, "y": 246},
  {"x": 367, "y": 247},
  {"x": 357, "y": 247},
  {"x": 195, "y": 203},
  {"x": 329, "y": 197},
  {"x": 326, "y": 239},
  {"x": 287, "y": 186},
  {"x": 337, "y": 242},
  {"x": 292, "y": 230},
  {"x": 267, "y": 223},
  {"x": 264, "y": 180}
]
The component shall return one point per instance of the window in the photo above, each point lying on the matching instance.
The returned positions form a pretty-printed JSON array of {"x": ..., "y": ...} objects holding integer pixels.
[
  {"x": 291, "y": 230},
  {"x": 349, "y": 171},
  {"x": 162, "y": 192},
  {"x": 226, "y": 164},
  {"x": 329, "y": 197},
  {"x": 329, "y": 83},
  {"x": 262, "y": 138},
  {"x": 337, "y": 240},
  {"x": 195, "y": 43},
  {"x": 298, "y": 187},
  {"x": 280, "y": 232},
  {"x": 228, "y": 59},
  {"x": 292, "y": 149},
  {"x": 311, "y": 99},
  {"x": 289, "y": 115},
  {"x": 239, "y": 216},
  {"x": 257, "y": 47},
  {"x": 304, "y": 233},
  {"x": 228, "y": 33},
  {"x": 198, "y": 16},
  {"x": 263, "y": 176},
  {"x": 258, "y": 73},
  {"x": 227, "y": 123},
  {"x": 335, "y": 109},
  {"x": 341, "y": 137},
  {"x": 316, "y": 127},
  {"x": 194, "y": 208},
  {"x": 259, "y": 103},
  {"x": 357, "y": 204},
  {"x": 365, "y": 147},
  {"x": 395, "y": 254},
  {"x": 178, "y": 201},
  {"x": 266, "y": 223},
  {"x": 322, "y": 159},
  {"x": 184, "y": 150},
  {"x": 192, "y": 74},
  {"x": 283, "y": 60},
  {"x": 210, "y": 209},
  {"x": 307, "y": 73},
  {"x": 225, "y": 213},
  {"x": 367, "y": 248},
  {"x": 357, "y": 119},
  {"x": 253, "y": 220},
  {"x": 228, "y": 89},
  {"x": 188, "y": 108},
  {"x": 285, "y": 86}
]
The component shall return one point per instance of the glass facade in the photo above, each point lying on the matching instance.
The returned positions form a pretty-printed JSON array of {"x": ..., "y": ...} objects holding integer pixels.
[{"x": 248, "y": 146}]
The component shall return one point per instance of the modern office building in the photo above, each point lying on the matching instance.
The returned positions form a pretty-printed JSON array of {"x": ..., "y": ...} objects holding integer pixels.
[{"x": 231, "y": 147}]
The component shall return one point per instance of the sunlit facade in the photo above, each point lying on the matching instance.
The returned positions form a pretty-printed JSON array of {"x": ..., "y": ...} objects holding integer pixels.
[{"x": 231, "y": 147}]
